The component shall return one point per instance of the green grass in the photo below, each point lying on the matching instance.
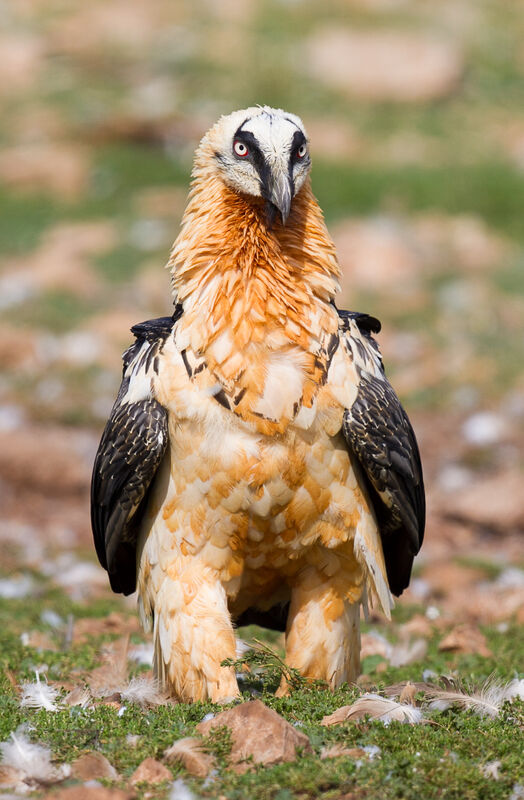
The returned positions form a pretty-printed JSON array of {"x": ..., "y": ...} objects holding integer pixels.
[
  {"x": 442, "y": 758},
  {"x": 56, "y": 311},
  {"x": 23, "y": 219},
  {"x": 121, "y": 264},
  {"x": 466, "y": 172},
  {"x": 494, "y": 191}
]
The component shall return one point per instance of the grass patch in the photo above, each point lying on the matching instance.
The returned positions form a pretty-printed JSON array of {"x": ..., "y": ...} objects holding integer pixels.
[
  {"x": 493, "y": 191},
  {"x": 56, "y": 311},
  {"x": 126, "y": 167},
  {"x": 23, "y": 219},
  {"x": 491, "y": 569},
  {"x": 121, "y": 264},
  {"x": 441, "y": 758}
]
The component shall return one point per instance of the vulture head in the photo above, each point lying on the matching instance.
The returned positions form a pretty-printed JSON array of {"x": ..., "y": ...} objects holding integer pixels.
[{"x": 262, "y": 152}]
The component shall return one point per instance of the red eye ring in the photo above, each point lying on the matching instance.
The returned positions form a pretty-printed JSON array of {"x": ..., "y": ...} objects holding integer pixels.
[
  {"x": 240, "y": 149},
  {"x": 302, "y": 150}
]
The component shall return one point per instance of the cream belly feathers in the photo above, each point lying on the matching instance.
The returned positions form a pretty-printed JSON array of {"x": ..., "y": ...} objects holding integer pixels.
[{"x": 252, "y": 475}]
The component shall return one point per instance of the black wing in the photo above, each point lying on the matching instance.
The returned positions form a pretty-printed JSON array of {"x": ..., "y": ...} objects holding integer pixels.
[
  {"x": 379, "y": 433},
  {"x": 130, "y": 451}
]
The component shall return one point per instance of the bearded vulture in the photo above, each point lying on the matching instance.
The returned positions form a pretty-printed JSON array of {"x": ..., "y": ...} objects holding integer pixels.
[{"x": 257, "y": 466}]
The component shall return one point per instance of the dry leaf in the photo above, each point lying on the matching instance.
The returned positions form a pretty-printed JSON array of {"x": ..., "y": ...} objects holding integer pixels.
[
  {"x": 150, "y": 771},
  {"x": 418, "y": 625},
  {"x": 258, "y": 733},
  {"x": 9, "y": 674},
  {"x": 443, "y": 574},
  {"x": 495, "y": 501},
  {"x": 396, "y": 689},
  {"x": 465, "y": 639},
  {"x": 373, "y": 644},
  {"x": 111, "y": 700},
  {"x": 79, "y": 696},
  {"x": 92, "y": 767},
  {"x": 59, "y": 168},
  {"x": 97, "y": 626},
  {"x": 190, "y": 753},
  {"x": 365, "y": 681},
  {"x": 83, "y": 792},
  {"x": 373, "y": 65},
  {"x": 337, "y": 750},
  {"x": 38, "y": 640},
  {"x": 112, "y": 675},
  {"x": 408, "y": 693},
  {"x": 375, "y": 707}
]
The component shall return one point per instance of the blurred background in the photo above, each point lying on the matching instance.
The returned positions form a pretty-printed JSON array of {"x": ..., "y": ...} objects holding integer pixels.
[{"x": 415, "y": 114}]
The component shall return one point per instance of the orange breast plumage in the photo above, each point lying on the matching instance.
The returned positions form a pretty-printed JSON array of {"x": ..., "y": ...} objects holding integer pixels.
[{"x": 257, "y": 466}]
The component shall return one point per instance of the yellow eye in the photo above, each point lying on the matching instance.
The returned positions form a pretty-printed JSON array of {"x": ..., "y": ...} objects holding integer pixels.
[
  {"x": 240, "y": 149},
  {"x": 302, "y": 150}
]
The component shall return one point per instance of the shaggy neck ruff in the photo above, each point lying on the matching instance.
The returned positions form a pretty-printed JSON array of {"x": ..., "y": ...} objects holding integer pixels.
[{"x": 232, "y": 271}]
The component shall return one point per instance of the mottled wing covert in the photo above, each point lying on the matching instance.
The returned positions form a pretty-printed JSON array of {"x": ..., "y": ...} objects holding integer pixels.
[
  {"x": 380, "y": 435},
  {"x": 130, "y": 451}
]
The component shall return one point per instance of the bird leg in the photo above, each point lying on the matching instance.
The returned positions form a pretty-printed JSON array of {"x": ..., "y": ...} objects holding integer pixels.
[
  {"x": 193, "y": 634},
  {"x": 323, "y": 632}
]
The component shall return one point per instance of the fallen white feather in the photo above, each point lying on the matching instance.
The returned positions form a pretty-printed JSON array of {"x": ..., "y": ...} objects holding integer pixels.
[
  {"x": 189, "y": 751},
  {"x": 51, "y": 618},
  {"x": 181, "y": 791},
  {"x": 486, "y": 701},
  {"x": 511, "y": 578},
  {"x": 398, "y": 655},
  {"x": 33, "y": 760},
  {"x": 376, "y": 707},
  {"x": 142, "y": 654},
  {"x": 515, "y": 688},
  {"x": 39, "y": 695},
  {"x": 78, "y": 578},
  {"x": 211, "y": 778},
  {"x": 491, "y": 769},
  {"x": 484, "y": 428},
  {"x": 407, "y": 653},
  {"x": 15, "y": 588},
  {"x": 144, "y": 691}
]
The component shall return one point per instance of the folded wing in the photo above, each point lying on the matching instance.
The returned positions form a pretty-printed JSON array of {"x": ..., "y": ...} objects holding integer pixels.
[
  {"x": 130, "y": 451},
  {"x": 379, "y": 434}
]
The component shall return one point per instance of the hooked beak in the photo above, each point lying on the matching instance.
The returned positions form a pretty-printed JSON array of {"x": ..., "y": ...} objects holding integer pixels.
[{"x": 279, "y": 194}]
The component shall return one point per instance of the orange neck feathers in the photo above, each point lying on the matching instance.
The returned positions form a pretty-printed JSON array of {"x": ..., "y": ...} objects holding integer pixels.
[{"x": 230, "y": 269}]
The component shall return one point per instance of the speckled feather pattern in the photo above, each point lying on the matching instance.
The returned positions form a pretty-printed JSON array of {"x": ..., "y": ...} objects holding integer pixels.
[
  {"x": 255, "y": 472},
  {"x": 257, "y": 502}
]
